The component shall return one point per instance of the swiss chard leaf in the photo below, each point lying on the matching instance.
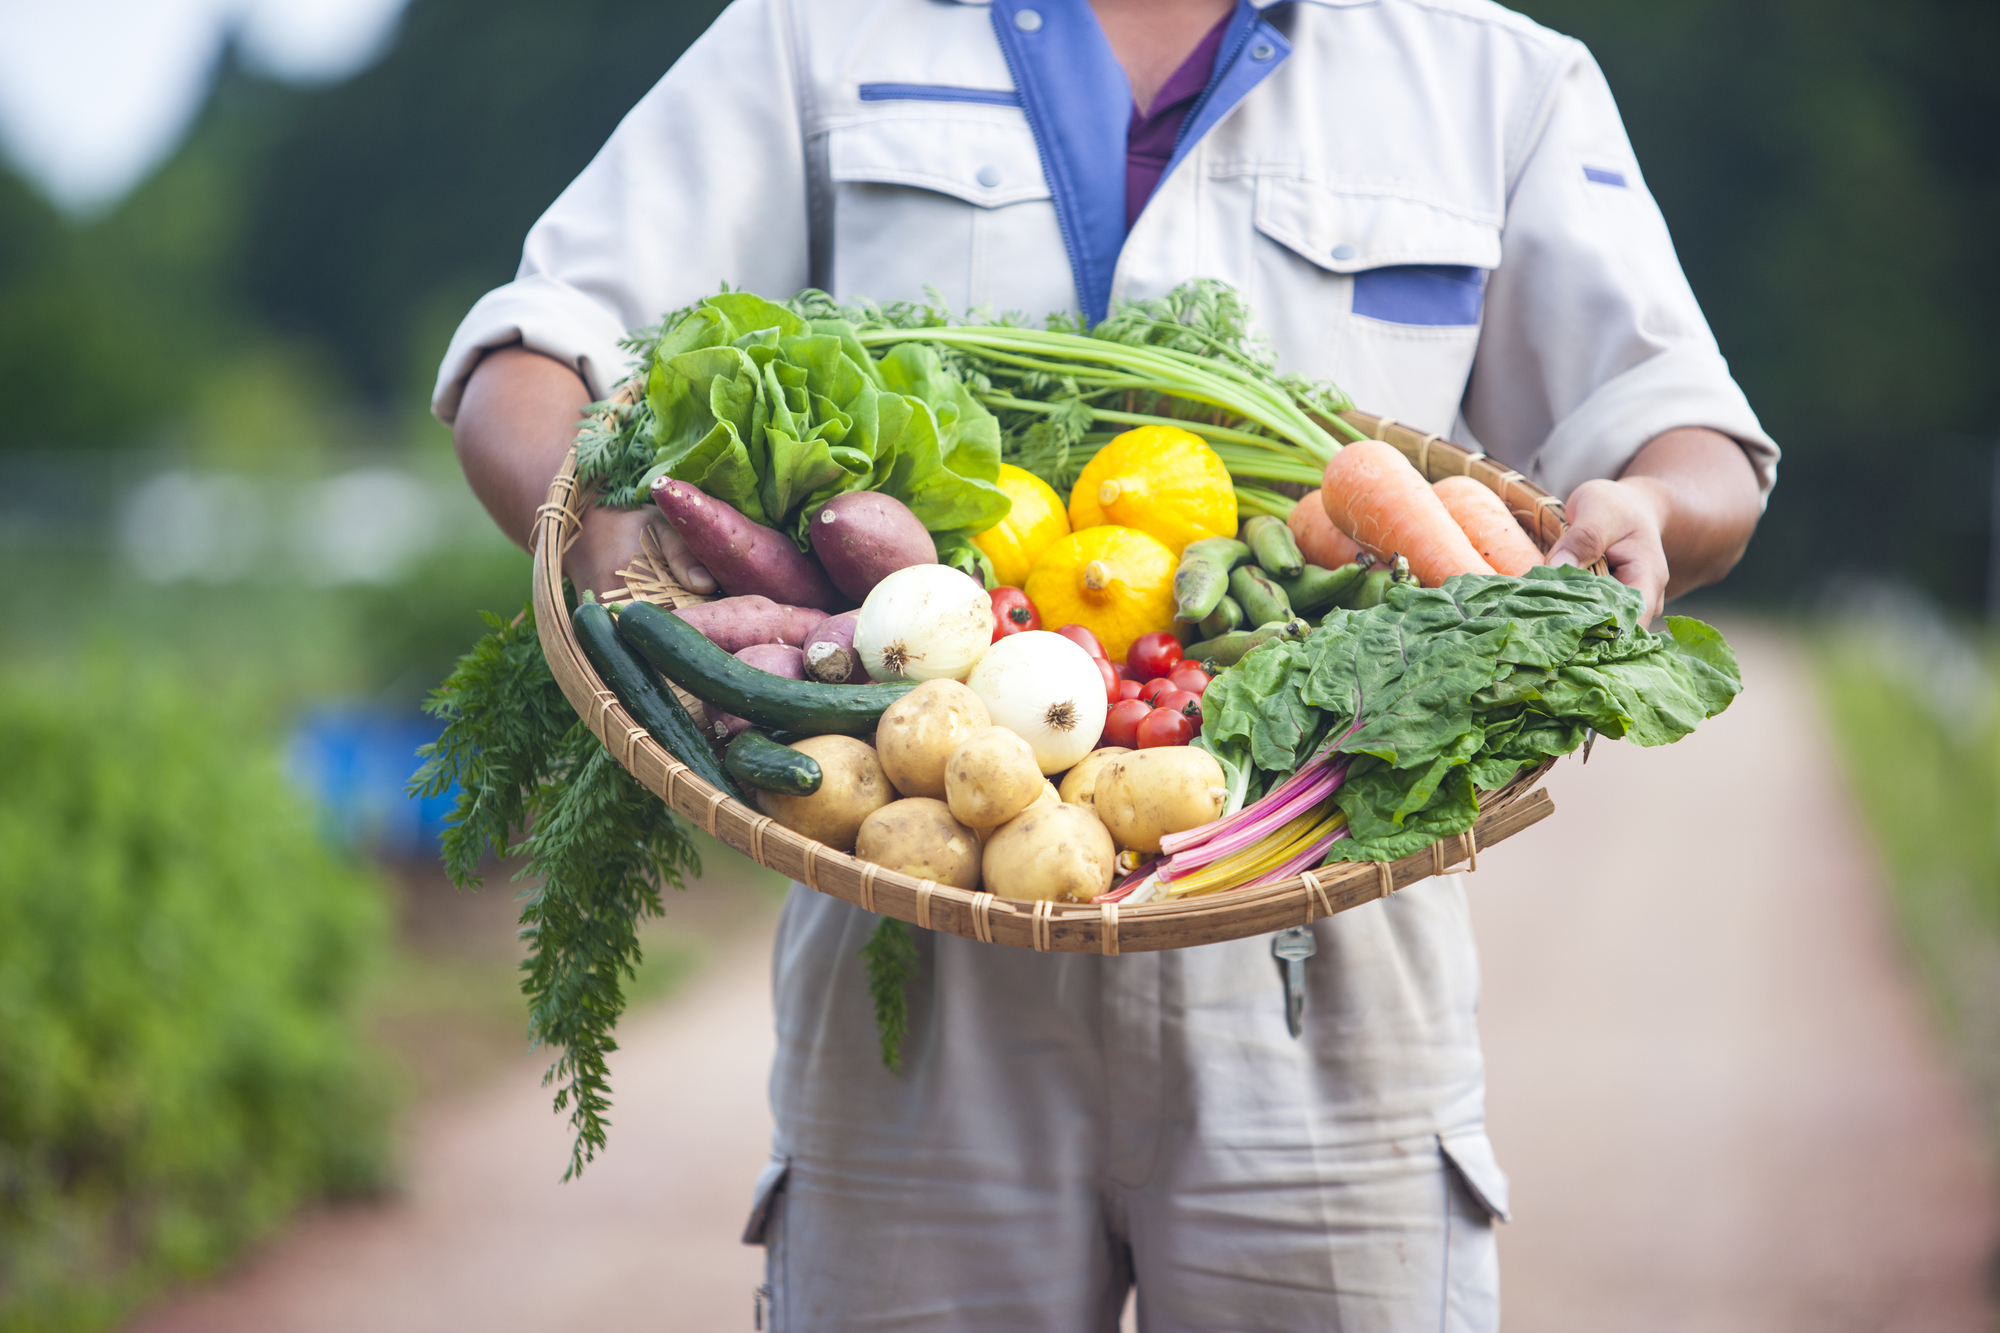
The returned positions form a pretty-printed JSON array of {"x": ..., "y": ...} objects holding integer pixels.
[{"x": 1446, "y": 691}]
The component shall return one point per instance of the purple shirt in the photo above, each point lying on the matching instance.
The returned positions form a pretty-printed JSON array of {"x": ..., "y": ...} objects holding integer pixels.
[{"x": 1149, "y": 141}]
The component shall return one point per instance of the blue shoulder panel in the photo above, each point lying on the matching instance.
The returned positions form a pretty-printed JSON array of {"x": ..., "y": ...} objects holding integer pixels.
[{"x": 1079, "y": 104}]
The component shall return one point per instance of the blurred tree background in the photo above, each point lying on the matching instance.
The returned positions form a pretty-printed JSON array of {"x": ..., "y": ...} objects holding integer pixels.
[
  {"x": 1831, "y": 173},
  {"x": 275, "y": 298}
]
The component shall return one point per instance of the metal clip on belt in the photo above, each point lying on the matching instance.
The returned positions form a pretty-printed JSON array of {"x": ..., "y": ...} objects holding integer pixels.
[{"x": 1291, "y": 948}]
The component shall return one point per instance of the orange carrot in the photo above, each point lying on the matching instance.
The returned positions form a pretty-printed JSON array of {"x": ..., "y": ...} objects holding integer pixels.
[
  {"x": 1488, "y": 525},
  {"x": 1374, "y": 495},
  {"x": 1319, "y": 541}
]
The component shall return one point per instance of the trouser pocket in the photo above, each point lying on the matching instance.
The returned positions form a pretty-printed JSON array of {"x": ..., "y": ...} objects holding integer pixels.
[
  {"x": 766, "y": 1227},
  {"x": 1477, "y": 1197}
]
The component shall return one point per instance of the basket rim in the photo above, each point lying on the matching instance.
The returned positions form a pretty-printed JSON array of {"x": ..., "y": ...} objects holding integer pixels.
[{"x": 1101, "y": 928}]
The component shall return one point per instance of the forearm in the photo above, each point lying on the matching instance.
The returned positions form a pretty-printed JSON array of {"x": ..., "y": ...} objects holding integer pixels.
[{"x": 513, "y": 429}]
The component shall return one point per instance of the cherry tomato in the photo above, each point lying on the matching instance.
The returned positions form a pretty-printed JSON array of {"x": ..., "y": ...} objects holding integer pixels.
[
  {"x": 1111, "y": 681},
  {"x": 1154, "y": 688},
  {"x": 1081, "y": 636},
  {"x": 1013, "y": 613},
  {"x": 1163, "y": 726},
  {"x": 1181, "y": 701},
  {"x": 1121, "y": 724},
  {"x": 1190, "y": 677},
  {"x": 1127, "y": 689},
  {"x": 1153, "y": 654}
]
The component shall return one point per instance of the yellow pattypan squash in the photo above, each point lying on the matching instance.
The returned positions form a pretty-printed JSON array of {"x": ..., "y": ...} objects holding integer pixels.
[
  {"x": 1116, "y": 582},
  {"x": 1161, "y": 480},
  {"x": 1035, "y": 522}
]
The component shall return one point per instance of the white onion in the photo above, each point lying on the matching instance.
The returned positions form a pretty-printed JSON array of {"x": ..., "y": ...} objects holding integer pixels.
[
  {"x": 926, "y": 622},
  {"x": 1046, "y": 690}
]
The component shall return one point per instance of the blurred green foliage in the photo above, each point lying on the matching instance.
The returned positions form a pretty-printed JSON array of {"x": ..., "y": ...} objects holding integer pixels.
[
  {"x": 1926, "y": 782},
  {"x": 181, "y": 965},
  {"x": 1831, "y": 172}
]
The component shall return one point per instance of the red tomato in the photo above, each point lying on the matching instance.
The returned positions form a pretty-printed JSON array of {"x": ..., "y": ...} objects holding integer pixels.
[
  {"x": 1153, "y": 654},
  {"x": 1163, "y": 726},
  {"x": 1190, "y": 677},
  {"x": 1127, "y": 689},
  {"x": 1182, "y": 702},
  {"x": 1111, "y": 681},
  {"x": 1121, "y": 724},
  {"x": 1013, "y": 613},
  {"x": 1081, "y": 636},
  {"x": 1154, "y": 688}
]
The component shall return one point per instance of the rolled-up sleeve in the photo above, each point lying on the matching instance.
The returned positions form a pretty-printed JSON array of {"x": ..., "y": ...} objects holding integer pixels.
[
  {"x": 1592, "y": 341},
  {"x": 702, "y": 183}
]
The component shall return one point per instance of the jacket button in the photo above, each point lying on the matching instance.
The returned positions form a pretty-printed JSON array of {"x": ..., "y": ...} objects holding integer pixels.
[
  {"x": 988, "y": 176},
  {"x": 1263, "y": 51},
  {"x": 1344, "y": 252},
  {"x": 1028, "y": 20}
]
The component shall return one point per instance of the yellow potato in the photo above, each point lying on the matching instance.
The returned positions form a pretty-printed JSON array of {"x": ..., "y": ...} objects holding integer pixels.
[
  {"x": 918, "y": 732},
  {"x": 852, "y": 788},
  {"x": 991, "y": 777},
  {"x": 1079, "y": 785},
  {"x": 1147, "y": 794},
  {"x": 1052, "y": 851},
  {"x": 918, "y": 836}
]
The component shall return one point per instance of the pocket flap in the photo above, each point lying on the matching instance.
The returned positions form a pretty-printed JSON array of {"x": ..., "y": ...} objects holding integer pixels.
[
  {"x": 1350, "y": 233},
  {"x": 768, "y": 1184},
  {"x": 983, "y": 160},
  {"x": 1471, "y": 1152}
]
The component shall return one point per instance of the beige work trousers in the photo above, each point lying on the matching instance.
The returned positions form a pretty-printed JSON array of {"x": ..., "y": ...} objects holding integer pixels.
[{"x": 1067, "y": 1126}]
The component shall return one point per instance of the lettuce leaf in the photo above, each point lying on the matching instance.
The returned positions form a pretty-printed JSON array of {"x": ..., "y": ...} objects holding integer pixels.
[{"x": 776, "y": 415}]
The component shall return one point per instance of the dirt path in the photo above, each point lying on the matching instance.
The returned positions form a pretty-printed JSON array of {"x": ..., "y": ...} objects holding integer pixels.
[
  {"x": 1712, "y": 1082},
  {"x": 1723, "y": 1105}
]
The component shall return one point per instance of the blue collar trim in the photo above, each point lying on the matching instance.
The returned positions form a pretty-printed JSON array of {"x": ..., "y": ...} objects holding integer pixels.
[
  {"x": 1079, "y": 105},
  {"x": 1251, "y": 49}
]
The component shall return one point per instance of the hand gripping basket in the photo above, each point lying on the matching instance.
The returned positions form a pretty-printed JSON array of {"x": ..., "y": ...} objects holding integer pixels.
[{"x": 1073, "y": 927}]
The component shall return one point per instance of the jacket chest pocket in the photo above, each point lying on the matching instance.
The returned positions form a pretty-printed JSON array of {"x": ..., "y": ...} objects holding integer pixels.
[
  {"x": 949, "y": 202},
  {"x": 1385, "y": 293}
]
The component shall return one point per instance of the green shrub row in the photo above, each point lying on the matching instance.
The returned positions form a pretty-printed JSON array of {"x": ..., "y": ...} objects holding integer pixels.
[{"x": 181, "y": 963}]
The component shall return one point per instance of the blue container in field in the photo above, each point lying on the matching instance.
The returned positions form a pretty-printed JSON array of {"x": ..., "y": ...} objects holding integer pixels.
[{"x": 356, "y": 763}]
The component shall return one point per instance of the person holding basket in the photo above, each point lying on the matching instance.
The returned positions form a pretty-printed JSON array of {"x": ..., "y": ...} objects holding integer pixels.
[{"x": 1432, "y": 203}]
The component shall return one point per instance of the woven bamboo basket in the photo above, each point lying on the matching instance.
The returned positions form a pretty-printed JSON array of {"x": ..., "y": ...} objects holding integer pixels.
[{"x": 1106, "y": 928}]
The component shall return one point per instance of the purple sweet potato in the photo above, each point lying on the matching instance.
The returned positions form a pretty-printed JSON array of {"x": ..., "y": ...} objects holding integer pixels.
[
  {"x": 744, "y": 557},
  {"x": 778, "y": 659},
  {"x": 830, "y": 655},
  {"x": 862, "y": 537},
  {"x": 735, "y": 623}
]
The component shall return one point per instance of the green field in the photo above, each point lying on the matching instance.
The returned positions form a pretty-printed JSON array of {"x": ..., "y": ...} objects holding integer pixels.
[{"x": 1921, "y": 747}]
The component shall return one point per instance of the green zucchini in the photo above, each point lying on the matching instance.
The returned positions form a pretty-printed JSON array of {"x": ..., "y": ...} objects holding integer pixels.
[
  {"x": 768, "y": 766},
  {"x": 807, "y": 707},
  {"x": 651, "y": 704}
]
